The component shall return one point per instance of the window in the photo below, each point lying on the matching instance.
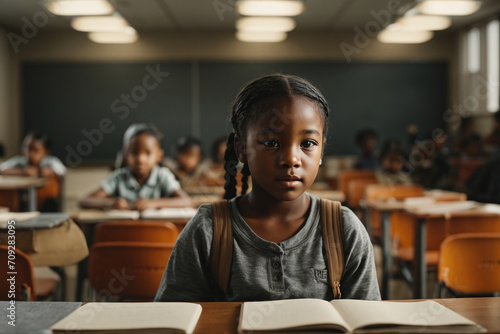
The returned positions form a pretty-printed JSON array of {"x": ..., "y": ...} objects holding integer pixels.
[{"x": 492, "y": 65}]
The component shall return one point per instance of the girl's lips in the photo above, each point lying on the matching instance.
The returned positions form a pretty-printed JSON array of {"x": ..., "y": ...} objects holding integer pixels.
[{"x": 289, "y": 182}]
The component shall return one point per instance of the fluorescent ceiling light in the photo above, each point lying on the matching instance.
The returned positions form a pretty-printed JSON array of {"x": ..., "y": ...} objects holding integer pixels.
[
  {"x": 266, "y": 37},
  {"x": 99, "y": 23},
  {"x": 265, "y": 24},
  {"x": 424, "y": 22},
  {"x": 449, "y": 7},
  {"x": 270, "y": 8},
  {"x": 401, "y": 36},
  {"x": 128, "y": 35},
  {"x": 79, "y": 7}
]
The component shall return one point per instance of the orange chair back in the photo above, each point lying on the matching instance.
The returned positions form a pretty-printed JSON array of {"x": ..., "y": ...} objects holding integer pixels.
[
  {"x": 51, "y": 191},
  {"x": 128, "y": 270},
  {"x": 347, "y": 176},
  {"x": 382, "y": 191},
  {"x": 469, "y": 263},
  {"x": 356, "y": 191},
  {"x": 24, "y": 279},
  {"x": 137, "y": 230}
]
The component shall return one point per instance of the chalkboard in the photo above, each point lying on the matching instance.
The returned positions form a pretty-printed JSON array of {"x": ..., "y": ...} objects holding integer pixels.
[{"x": 67, "y": 98}]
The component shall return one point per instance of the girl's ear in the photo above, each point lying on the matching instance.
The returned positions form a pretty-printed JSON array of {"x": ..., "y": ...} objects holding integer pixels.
[{"x": 239, "y": 148}]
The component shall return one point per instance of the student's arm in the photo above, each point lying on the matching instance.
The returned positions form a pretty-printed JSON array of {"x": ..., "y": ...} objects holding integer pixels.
[
  {"x": 187, "y": 277},
  {"x": 359, "y": 280},
  {"x": 179, "y": 199},
  {"x": 101, "y": 200}
]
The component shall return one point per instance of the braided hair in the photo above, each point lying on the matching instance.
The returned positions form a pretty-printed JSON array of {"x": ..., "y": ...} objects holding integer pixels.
[{"x": 257, "y": 97}]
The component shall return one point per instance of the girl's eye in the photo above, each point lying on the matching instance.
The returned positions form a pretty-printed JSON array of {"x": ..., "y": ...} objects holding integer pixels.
[
  {"x": 309, "y": 143},
  {"x": 270, "y": 143}
]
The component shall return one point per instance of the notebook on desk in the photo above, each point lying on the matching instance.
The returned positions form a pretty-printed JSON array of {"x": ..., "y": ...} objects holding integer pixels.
[{"x": 43, "y": 221}]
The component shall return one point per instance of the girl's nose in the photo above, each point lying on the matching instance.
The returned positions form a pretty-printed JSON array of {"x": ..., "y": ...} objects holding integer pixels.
[{"x": 290, "y": 158}]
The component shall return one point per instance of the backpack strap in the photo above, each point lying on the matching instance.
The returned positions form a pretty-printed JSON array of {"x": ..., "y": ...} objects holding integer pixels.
[
  {"x": 331, "y": 225},
  {"x": 222, "y": 244}
]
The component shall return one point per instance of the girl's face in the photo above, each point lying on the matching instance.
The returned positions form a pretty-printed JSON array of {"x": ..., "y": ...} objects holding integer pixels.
[
  {"x": 283, "y": 148},
  {"x": 34, "y": 150}
]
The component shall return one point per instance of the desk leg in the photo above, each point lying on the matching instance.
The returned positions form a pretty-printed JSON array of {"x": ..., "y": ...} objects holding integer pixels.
[
  {"x": 420, "y": 265},
  {"x": 88, "y": 231},
  {"x": 31, "y": 199},
  {"x": 386, "y": 255}
]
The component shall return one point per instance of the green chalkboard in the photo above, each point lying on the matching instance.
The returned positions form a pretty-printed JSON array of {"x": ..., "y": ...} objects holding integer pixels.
[{"x": 86, "y": 107}]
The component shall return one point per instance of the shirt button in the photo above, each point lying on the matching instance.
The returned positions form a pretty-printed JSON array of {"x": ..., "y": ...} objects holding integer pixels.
[
  {"x": 276, "y": 265},
  {"x": 277, "y": 277}
]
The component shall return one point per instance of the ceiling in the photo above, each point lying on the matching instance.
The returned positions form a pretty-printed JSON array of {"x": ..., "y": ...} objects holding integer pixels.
[{"x": 202, "y": 15}]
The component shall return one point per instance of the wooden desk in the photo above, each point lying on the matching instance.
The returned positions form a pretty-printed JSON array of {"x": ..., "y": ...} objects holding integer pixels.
[
  {"x": 386, "y": 207},
  {"x": 420, "y": 267},
  {"x": 223, "y": 317},
  {"x": 333, "y": 195},
  {"x": 29, "y": 183}
]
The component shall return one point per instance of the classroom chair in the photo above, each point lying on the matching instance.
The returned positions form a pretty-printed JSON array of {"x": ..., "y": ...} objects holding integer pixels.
[
  {"x": 356, "y": 191},
  {"x": 349, "y": 175},
  {"x": 27, "y": 287},
  {"x": 127, "y": 270},
  {"x": 469, "y": 265},
  {"x": 141, "y": 231},
  {"x": 386, "y": 192}
]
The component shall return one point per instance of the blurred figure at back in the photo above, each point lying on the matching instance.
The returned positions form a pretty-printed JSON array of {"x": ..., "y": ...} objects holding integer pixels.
[{"x": 366, "y": 139}]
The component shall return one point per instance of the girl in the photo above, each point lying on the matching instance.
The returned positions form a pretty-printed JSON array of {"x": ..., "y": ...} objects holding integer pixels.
[
  {"x": 280, "y": 125},
  {"x": 37, "y": 161}
]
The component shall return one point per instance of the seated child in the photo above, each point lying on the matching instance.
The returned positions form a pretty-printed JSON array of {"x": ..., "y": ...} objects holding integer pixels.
[
  {"x": 214, "y": 175},
  {"x": 366, "y": 139},
  {"x": 278, "y": 250},
  {"x": 391, "y": 158},
  {"x": 187, "y": 164},
  {"x": 37, "y": 161},
  {"x": 142, "y": 184}
]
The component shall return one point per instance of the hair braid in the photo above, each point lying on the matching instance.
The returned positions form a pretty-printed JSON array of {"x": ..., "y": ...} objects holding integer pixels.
[
  {"x": 244, "y": 180},
  {"x": 230, "y": 163}
]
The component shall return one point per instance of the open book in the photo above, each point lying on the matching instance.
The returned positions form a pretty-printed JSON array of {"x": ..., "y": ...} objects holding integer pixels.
[
  {"x": 165, "y": 213},
  {"x": 131, "y": 318},
  {"x": 357, "y": 316}
]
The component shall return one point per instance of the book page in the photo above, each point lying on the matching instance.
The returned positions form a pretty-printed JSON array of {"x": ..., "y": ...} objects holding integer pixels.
[
  {"x": 16, "y": 216},
  {"x": 363, "y": 313},
  {"x": 288, "y": 314},
  {"x": 445, "y": 207},
  {"x": 171, "y": 213},
  {"x": 125, "y": 214},
  {"x": 131, "y": 316}
]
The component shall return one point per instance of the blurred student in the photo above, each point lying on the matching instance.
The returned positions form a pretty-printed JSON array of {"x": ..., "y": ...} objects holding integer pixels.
[
  {"x": 142, "y": 184},
  {"x": 214, "y": 175},
  {"x": 187, "y": 164},
  {"x": 392, "y": 157},
  {"x": 36, "y": 160},
  {"x": 494, "y": 138},
  {"x": 366, "y": 139},
  {"x": 434, "y": 170},
  {"x": 467, "y": 142}
]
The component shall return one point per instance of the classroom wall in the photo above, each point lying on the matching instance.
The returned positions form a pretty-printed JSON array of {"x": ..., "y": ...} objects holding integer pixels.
[
  {"x": 9, "y": 110},
  {"x": 221, "y": 46}
]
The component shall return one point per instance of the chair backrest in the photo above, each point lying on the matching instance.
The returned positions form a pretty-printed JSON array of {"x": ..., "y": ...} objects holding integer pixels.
[
  {"x": 469, "y": 263},
  {"x": 128, "y": 270},
  {"x": 349, "y": 175},
  {"x": 24, "y": 279},
  {"x": 356, "y": 191},
  {"x": 137, "y": 231},
  {"x": 49, "y": 197}
]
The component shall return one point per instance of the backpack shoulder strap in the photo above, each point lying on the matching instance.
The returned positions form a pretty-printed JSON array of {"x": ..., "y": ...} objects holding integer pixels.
[
  {"x": 222, "y": 244},
  {"x": 331, "y": 226}
]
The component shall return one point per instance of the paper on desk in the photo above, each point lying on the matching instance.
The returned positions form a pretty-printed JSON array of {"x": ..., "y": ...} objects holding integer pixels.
[
  {"x": 172, "y": 213},
  {"x": 445, "y": 207},
  {"x": 416, "y": 202},
  {"x": 16, "y": 216}
]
